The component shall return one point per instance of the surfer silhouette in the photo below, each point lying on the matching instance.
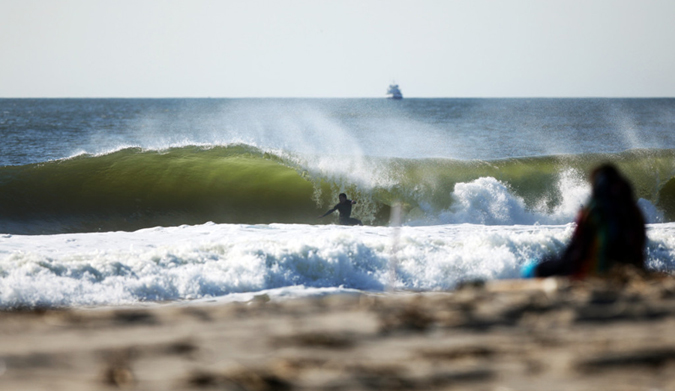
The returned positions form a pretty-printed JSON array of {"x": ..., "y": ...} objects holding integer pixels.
[
  {"x": 610, "y": 231},
  {"x": 344, "y": 207}
]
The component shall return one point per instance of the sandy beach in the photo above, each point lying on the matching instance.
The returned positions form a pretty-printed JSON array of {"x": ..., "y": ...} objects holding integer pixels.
[{"x": 548, "y": 334}]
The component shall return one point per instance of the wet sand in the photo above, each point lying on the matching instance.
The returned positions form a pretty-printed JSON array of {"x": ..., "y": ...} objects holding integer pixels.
[{"x": 552, "y": 334}]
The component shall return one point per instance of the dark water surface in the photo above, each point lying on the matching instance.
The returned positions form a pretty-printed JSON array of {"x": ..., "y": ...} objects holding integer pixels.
[{"x": 36, "y": 130}]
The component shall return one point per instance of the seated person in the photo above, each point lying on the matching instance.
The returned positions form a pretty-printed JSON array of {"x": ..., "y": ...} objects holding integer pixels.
[{"x": 610, "y": 231}]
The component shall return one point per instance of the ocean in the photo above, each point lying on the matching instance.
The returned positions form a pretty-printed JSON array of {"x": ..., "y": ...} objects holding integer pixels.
[{"x": 107, "y": 202}]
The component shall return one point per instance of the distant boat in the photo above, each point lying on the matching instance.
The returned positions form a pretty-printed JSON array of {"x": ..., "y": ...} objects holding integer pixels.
[{"x": 394, "y": 91}]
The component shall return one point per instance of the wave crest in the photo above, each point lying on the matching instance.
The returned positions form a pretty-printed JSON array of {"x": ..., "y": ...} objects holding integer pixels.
[{"x": 134, "y": 188}]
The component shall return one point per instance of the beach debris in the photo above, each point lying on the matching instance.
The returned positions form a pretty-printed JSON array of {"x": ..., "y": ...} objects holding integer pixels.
[
  {"x": 134, "y": 317},
  {"x": 639, "y": 358},
  {"x": 458, "y": 352},
  {"x": 260, "y": 379},
  {"x": 397, "y": 377},
  {"x": 260, "y": 299},
  {"x": 198, "y": 314},
  {"x": 410, "y": 317},
  {"x": 318, "y": 340},
  {"x": 183, "y": 347},
  {"x": 117, "y": 370}
]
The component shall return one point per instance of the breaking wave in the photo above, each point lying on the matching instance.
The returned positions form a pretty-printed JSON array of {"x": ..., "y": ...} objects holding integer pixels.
[{"x": 134, "y": 188}]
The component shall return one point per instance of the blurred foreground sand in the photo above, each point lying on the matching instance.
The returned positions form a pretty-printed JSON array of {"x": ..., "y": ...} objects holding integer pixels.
[{"x": 504, "y": 335}]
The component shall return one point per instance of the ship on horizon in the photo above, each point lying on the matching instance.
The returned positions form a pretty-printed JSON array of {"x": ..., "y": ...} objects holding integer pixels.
[{"x": 394, "y": 91}]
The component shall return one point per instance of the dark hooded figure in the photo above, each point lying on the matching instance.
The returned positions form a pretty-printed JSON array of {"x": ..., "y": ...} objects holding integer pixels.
[
  {"x": 610, "y": 231},
  {"x": 344, "y": 207}
]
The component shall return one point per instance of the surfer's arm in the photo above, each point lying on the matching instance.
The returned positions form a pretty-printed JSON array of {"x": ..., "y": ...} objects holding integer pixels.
[{"x": 329, "y": 212}]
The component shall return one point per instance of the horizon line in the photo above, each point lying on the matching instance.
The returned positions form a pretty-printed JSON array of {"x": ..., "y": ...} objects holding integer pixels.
[{"x": 363, "y": 97}]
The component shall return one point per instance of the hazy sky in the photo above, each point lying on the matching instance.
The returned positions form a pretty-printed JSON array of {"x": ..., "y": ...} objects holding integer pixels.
[{"x": 317, "y": 48}]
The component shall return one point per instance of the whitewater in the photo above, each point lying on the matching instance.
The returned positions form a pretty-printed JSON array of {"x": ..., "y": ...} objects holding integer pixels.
[{"x": 140, "y": 202}]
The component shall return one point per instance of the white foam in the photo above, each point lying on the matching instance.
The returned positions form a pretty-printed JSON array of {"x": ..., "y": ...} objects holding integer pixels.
[
  {"x": 650, "y": 212},
  {"x": 207, "y": 261},
  {"x": 486, "y": 201},
  {"x": 236, "y": 262},
  {"x": 491, "y": 202},
  {"x": 661, "y": 247}
]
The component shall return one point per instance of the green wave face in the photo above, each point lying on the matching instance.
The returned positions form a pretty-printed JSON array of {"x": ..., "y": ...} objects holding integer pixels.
[{"x": 132, "y": 188}]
